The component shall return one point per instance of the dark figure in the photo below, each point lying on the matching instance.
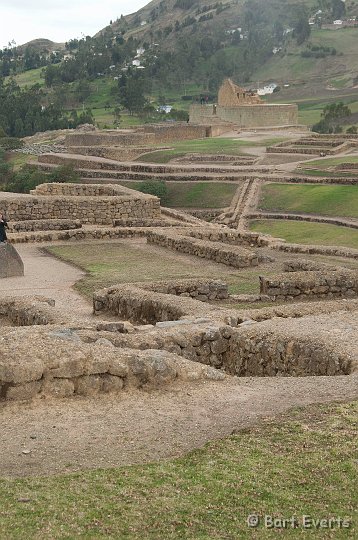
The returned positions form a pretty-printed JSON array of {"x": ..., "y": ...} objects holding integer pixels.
[{"x": 3, "y": 226}]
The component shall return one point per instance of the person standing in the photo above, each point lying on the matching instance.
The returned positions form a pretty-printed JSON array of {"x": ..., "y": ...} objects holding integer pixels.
[{"x": 3, "y": 227}]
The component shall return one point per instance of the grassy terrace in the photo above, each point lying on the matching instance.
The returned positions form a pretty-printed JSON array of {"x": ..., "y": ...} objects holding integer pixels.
[
  {"x": 328, "y": 200},
  {"x": 196, "y": 194},
  {"x": 300, "y": 464},
  {"x": 126, "y": 262},
  {"x": 298, "y": 232},
  {"x": 328, "y": 163},
  {"x": 235, "y": 147}
]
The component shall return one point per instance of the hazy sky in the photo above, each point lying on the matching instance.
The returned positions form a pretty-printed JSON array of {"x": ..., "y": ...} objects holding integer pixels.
[{"x": 59, "y": 20}]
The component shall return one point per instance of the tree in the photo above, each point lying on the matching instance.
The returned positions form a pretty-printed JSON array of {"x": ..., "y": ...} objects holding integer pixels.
[{"x": 131, "y": 94}]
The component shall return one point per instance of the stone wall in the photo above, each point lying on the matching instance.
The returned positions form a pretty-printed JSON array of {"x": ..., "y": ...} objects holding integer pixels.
[
  {"x": 83, "y": 369},
  {"x": 23, "y": 311},
  {"x": 152, "y": 303},
  {"x": 109, "y": 138},
  {"x": 93, "y": 204},
  {"x": 45, "y": 225},
  {"x": 247, "y": 116},
  {"x": 121, "y": 153},
  {"x": 311, "y": 284},
  {"x": 231, "y": 237},
  {"x": 164, "y": 133},
  {"x": 277, "y": 347},
  {"x": 235, "y": 256}
]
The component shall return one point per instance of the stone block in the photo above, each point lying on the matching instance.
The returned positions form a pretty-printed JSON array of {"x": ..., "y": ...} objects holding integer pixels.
[{"x": 11, "y": 264}]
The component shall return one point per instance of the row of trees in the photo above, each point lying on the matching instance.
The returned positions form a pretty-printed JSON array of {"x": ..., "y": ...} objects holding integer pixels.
[{"x": 26, "y": 111}]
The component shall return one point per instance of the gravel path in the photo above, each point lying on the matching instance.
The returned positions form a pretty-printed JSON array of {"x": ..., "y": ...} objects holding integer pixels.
[
  {"x": 137, "y": 427},
  {"x": 47, "y": 276}
]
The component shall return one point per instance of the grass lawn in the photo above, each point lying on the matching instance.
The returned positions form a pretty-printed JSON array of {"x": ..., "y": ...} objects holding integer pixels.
[
  {"x": 216, "y": 145},
  {"x": 299, "y": 464},
  {"x": 331, "y": 162},
  {"x": 17, "y": 159},
  {"x": 298, "y": 232},
  {"x": 125, "y": 262},
  {"x": 196, "y": 194},
  {"x": 328, "y": 200},
  {"x": 29, "y": 78}
]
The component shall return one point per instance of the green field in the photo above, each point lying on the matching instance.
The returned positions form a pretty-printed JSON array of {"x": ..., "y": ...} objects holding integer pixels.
[
  {"x": 298, "y": 232},
  {"x": 326, "y": 200},
  {"x": 328, "y": 163},
  {"x": 124, "y": 262},
  {"x": 195, "y": 194},
  {"x": 299, "y": 464},
  {"x": 215, "y": 145},
  {"x": 29, "y": 78}
]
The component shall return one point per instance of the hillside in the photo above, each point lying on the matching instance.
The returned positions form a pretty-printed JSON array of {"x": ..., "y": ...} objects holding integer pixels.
[
  {"x": 41, "y": 45},
  {"x": 170, "y": 52}
]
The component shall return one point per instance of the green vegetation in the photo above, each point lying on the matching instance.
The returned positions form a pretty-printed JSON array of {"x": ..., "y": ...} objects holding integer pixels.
[
  {"x": 124, "y": 263},
  {"x": 298, "y": 232},
  {"x": 193, "y": 194},
  {"x": 301, "y": 463},
  {"x": 332, "y": 115},
  {"x": 327, "y": 163},
  {"x": 25, "y": 177},
  {"x": 234, "y": 147},
  {"x": 155, "y": 187},
  {"x": 324, "y": 200}
]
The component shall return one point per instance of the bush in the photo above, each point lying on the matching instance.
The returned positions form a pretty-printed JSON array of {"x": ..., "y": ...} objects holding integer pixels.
[
  {"x": 11, "y": 143},
  {"x": 29, "y": 177},
  {"x": 155, "y": 187},
  {"x": 64, "y": 173},
  {"x": 352, "y": 130}
]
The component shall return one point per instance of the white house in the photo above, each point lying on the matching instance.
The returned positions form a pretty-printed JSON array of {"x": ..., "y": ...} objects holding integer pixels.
[
  {"x": 267, "y": 89},
  {"x": 164, "y": 109}
]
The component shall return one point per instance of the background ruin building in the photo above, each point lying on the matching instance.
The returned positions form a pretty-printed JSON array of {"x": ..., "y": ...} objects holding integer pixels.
[{"x": 244, "y": 109}]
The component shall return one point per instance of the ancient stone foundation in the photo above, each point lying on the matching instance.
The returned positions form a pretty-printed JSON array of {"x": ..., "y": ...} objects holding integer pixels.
[{"x": 90, "y": 204}]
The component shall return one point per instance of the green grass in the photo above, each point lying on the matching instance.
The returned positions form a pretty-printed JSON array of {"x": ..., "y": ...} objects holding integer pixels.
[
  {"x": 196, "y": 194},
  {"x": 29, "y": 78},
  {"x": 123, "y": 262},
  {"x": 17, "y": 159},
  {"x": 300, "y": 464},
  {"x": 298, "y": 232},
  {"x": 327, "y": 163},
  {"x": 328, "y": 200},
  {"x": 216, "y": 145},
  {"x": 325, "y": 174}
]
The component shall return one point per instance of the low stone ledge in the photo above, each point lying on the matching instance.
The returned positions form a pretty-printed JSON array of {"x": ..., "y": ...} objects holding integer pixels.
[
  {"x": 335, "y": 251},
  {"x": 235, "y": 256},
  {"x": 45, "y": 225},
  {"x": 152, "y": 303},
  {"x": 297, "y": 285},
  {"x": 236, "y": 238},
  {"x": 30, "y": 311},
  {"x": 146, "y": 223},
  {"x": 82, "y": 369}
]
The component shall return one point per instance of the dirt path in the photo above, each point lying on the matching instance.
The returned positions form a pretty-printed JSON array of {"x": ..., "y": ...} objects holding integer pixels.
[
  {"x": 45, "y": 275},
  {"x": 76, "y": 434}
]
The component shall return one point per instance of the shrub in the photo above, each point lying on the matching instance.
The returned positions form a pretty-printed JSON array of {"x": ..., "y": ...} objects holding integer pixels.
[
  {"x": 155, "y": 187},
  {"x": 10, "y": 143},
  {"x": 352, "y": 130}
]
